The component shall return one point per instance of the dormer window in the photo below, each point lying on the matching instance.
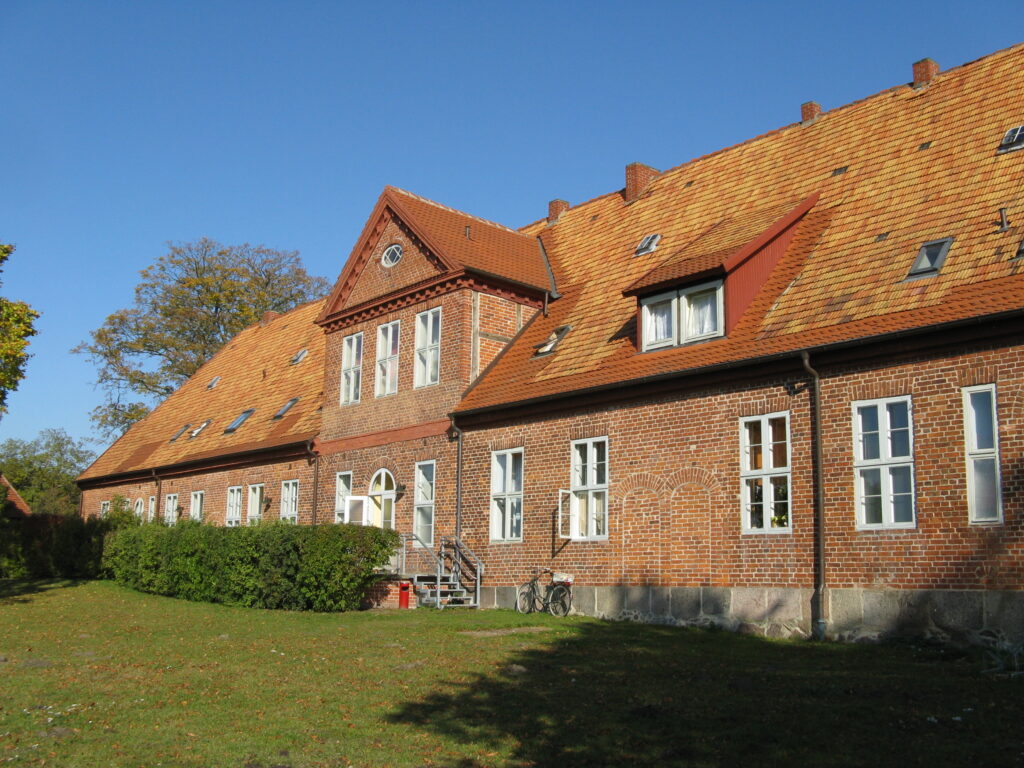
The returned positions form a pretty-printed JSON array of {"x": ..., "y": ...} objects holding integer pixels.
[
  {"x": 299, "y": 356},
  {"x": 179, "y": 433},
  {"x": 285, "y": 408},
  {"x": 551, "y": 342},
  {"x": 682, "y": 316},
  {"x": 647, "y": 245},
  {"x": 240, "y": 420},
  {"x": 213, "y": 382},
  {"x": 930, "y": 258},
  {"x": 195, "y": 432},
  {"x": 1013, "y": 139}
]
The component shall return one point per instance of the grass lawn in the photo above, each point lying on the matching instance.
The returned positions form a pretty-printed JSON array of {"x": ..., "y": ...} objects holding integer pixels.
[{"x": 95, "y": 675}]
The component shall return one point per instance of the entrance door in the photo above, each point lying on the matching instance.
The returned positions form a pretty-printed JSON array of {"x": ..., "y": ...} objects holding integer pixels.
[{"x": 381, "y": 512}]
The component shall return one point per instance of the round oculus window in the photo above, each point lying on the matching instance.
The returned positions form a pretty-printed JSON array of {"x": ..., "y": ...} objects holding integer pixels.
[{"x": 392, "y": 255}]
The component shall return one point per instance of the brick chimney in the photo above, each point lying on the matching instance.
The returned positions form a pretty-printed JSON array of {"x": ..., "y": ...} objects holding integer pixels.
[
  {"x": 638, "y": 178},
  {"x": 555, "y": 209},
  {"x": 809, "y": 110},
  {"x": 924, "y": 71},
  {"x": 268, "y": 316}
]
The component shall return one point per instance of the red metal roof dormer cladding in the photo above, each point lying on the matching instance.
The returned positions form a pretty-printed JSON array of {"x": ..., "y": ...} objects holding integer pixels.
[{"x": 745, "y": 250}]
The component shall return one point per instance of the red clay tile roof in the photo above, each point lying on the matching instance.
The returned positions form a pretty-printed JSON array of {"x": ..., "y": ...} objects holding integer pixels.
[
  {"x": 255, "y": 372},
  {"x": 14, "y": 505},
  {"x": 838, "y": 281}
]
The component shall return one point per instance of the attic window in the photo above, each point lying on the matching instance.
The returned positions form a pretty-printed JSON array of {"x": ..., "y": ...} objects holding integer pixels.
[
  {"x": 682, "y": 316},
  {"x": 213, "y": 382},
  {"x": 240, "y": 420},
  {"x": 549, "y": 344},
  {"x": 179, "y": 433},
  {"x": 1014, "y": 139},
  {"x": 647, "y": 245},
  {"x": 1020, "y": 251},
  {"x": 392, "y": 255},
  {"x": 195, "y": 432},
  {"x": 299, "y": 356},
  {"x": 930, "y": 258},
  {"x": 285, "y": 408}
]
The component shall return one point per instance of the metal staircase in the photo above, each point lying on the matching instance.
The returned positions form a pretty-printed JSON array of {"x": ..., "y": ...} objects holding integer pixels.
[{"x": 447, "y": 578}]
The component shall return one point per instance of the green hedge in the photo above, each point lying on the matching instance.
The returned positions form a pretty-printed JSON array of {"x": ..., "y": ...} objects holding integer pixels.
[
  {"x": 52, "y": 546},
  {"x": 316, "y": 568}
]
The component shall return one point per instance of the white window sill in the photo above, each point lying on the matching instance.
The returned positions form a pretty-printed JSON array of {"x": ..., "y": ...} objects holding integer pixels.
[
  {"x": 767, "y": 531},
  {"x": 887, "y": 527},
  {"x": 425, "y": 386},
  {"x": 506, "y": 541},
  {"x": 596, "y": 539},
  {"x": 986, "y": 523}
]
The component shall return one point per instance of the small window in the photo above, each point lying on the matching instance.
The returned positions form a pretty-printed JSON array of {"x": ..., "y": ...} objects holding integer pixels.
[
  {"x": 930, "y": 258},
  {"x": 1020, "y": 251},
  {"x": 386, "y": 382},
  {"x": 286, "y": 407},
  {"x": 647, "y": 245},
  {"x": 299, "y": 356},
  {"x": 427, "y": 368},
  {"x": 195, "y": 432},
  {"x": 423, "y": 514},
  {"x": 551, "y": 342},
  {"x": 981, "y": 442},
  {"x": 392, "y": 255},
  {"x": 179, "y": 433},
  {"x": 683, "y": 316},
  {"x": 764, "y": 473},
  {"x": 170, "y": 509},
  {"x": 883, "y": 452},
  {"x": 233, "y": 516},
  {"x": 507, "y": 495},
  {"x": 290, "y": 501},
  {"x": 104, "y": 508},
  {"x": 342, "y": 491},
  {"x": 1013, "y": 139},
  {"x": 257, "y": 500},
  {"x": 196, "y": 503},
  {"x": 587, "y": 515},
  {"x": 151, "y": 513},
  {"x": 213, "y": 382},
  {"x": 240, "y": 420}
]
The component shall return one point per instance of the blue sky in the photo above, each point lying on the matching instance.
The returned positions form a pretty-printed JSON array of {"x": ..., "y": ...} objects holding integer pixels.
[{"x": 130, "y": 124}]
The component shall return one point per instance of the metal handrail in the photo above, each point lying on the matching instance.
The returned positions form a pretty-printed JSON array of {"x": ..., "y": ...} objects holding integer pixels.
[
  {"x": 423, "y": 553},
  {"x": 461, "y": 554}
]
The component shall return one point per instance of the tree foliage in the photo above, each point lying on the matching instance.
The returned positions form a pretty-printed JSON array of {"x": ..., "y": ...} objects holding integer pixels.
[
  {"x": 193, "y": 300},
  {"x": 16, "y": 325},
  {"x": 44, "y": 470}
]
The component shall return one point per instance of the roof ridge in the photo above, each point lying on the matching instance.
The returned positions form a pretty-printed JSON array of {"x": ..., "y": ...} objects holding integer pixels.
[{"x": 452, "y": 210}]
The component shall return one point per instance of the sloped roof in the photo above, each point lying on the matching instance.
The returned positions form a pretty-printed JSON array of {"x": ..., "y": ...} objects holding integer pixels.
[
  {"x": 893, "y": 171},
  {"x": 256, "y": 372},
  {"x": 14, "y": 505}
]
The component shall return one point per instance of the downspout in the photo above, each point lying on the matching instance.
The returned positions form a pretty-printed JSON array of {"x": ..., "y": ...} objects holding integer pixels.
[
  {"x": 818, "y": 623},
  {"x": 159, "y": 495},
  {"x": 458, "y": 481},
  {"x": 316, "y": 474}
]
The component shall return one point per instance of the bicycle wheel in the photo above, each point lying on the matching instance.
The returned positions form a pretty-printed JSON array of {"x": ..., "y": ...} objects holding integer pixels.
[
  {"x": 561, "y": 600},
  {"x": 525, "y": 598}
]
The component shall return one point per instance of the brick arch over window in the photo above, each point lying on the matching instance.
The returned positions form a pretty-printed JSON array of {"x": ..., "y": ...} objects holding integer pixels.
[
  {"x": 640, "y": 517},
  {"x": 691, "y": 533}
]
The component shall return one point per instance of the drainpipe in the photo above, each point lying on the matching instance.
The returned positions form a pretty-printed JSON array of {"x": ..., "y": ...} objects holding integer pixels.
[
  {"x": 316, "y": 475},
  {"x": 159, "y": 484},
  {"x": 458, "y": 482},
  {"x": 818, "y": 597}
]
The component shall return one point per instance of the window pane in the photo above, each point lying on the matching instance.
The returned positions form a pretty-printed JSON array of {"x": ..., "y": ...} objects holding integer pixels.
[
  {"x": 985, "y": 490},
  {"x": 387, "y": 513},
  {"x": 755, "y": 502},
  {"x": 435, "y": 327},
  {"x": 600, "y": 449},
  {"x": 515, "y": 523},
  {"x": 703, "y": 313},
  {"x": 899, "y": 415},
  {"x": 580, "y": 477},
  {"x": 981, "y": 415},
  {"x": 425, "y": 523},
  {"x": 599, "y": 522},
  {"x": 582, "y": 512},
  {"x": 755, "y": 455},
  {"x": 659, "y": 322},
  {"x": 902, "y": 495},
  {"x": 516, "y": 481},
  {"x": 780, "y": 452},
  {"x": 871, "y": 495},
  {"x": 869, "y": 446},
  {"x": 433, "y": 368}
]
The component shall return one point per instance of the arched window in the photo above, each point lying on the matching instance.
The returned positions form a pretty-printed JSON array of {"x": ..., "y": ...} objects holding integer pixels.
[
  {"x": 138, "y": 508},
  {"x": 382, "y": 500}
]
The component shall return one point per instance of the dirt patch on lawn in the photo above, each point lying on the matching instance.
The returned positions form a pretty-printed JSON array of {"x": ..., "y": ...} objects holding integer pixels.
[{"x": 500, "y": 632}]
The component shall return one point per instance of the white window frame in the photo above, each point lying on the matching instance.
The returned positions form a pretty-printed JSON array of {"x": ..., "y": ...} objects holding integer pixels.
[
  {"x": 140, "y": 505},
  {"x": 170, "y": 509},
  {"x": 424, "y": 495},
  {"x": 386, "y": 367},
  {"x": 378, "y": 499},
  {"x": 342, "y": 490},
  {"x": 233, "y": 511},
  {"x": 196, "y": 502},
  {"x": 151, "y": 513},
  {"x": 289, "y": 502},
  {"x": 352, "y": 368},
  {"x": 256, "y": 495},
  {"x": 582, "y": 484},
  {"x": 885, "y": 463},
  {"x": 363, "y": 503},
  {"x": 973, "y": 453},
  {"x": 503, "y": 526},
  {"x": 765, "y": 475},
  {"x": 681, "y": 315},
  {"x": 104, "y": 508},
  {"x": 427, "y": 349}
]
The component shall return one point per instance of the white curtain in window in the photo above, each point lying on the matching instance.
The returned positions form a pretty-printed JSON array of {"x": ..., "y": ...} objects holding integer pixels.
[
  {"x": 703, "y": 314},
  {"x": 659, "y": 317}
]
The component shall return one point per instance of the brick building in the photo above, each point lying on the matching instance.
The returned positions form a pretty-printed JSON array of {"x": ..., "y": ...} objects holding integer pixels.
[{"x": 778, "y": 388}]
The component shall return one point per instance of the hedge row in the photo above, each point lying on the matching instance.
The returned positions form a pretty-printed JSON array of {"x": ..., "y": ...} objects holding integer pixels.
[
  {"x": 52, "y": 546},
  {"x": 317, "y": 568}
]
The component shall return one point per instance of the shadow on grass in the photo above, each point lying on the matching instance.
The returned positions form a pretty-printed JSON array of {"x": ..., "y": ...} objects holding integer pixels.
[
  {"x": 22, "y": 590},
  {"x": 624, "y": 694}
]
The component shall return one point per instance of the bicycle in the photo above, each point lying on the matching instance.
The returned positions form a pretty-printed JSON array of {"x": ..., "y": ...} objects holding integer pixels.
[{"x": 556, "y": 598}]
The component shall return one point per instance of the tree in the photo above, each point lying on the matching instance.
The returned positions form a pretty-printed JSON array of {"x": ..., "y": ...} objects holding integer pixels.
[
  {"x": 16, "y": 318},
  {"x": 191, "y": 302},
  {"x": 44, "y": 470}
]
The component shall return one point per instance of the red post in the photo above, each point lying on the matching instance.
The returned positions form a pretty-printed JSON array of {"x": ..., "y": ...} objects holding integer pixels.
[{"x": 404, "y": 590}]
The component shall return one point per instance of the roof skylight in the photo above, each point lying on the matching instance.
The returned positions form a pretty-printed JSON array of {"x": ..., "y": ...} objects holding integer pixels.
[
  {"x": 549, "y": 344},
  {"x": 647, "y": 245},
  {"x": 199, "y": 429},
  {"x": 240, "y": 420},
  {"x": 213, "y": 382},
  {"x": 286, "y": 407},
  {"x": 930, "y": 258},
  {"x": 179, "y": 433},
  {"x": 299, "y": 356},
  {"x": 1013, "y": 139}
]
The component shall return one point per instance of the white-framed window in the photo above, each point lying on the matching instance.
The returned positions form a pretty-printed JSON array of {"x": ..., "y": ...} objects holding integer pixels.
[
  {"x": 351, "y": 368},
  {"x": 342, "y": 490},
  {"x": 171, "y": 509},
  {"x": 380, "y": 510},
  {"x": 679, "y": 317},
  {"x": 981, "y": 444},
  {"x": 386, "y": 382},
  {"x": 195, "y": 507},
  {"x": 104, "y": 508},
  {"x": 587, "y": 515},
  {"x": 233, "y": 517},
  {"x": 883, "y": 448},
  {"x": 764, "y": 473},
  {"x": 152, "y": 509},
  {"x": 290, "y": 501},
  {"x": 356, "y": 510},
  {"x": 140, "y": 507},
  {"x": 423, "y": 501},
  {"x": 254, "y": 511},
  {"x": 428, "y": 347},
  {"x": 507, "y": 495}
]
